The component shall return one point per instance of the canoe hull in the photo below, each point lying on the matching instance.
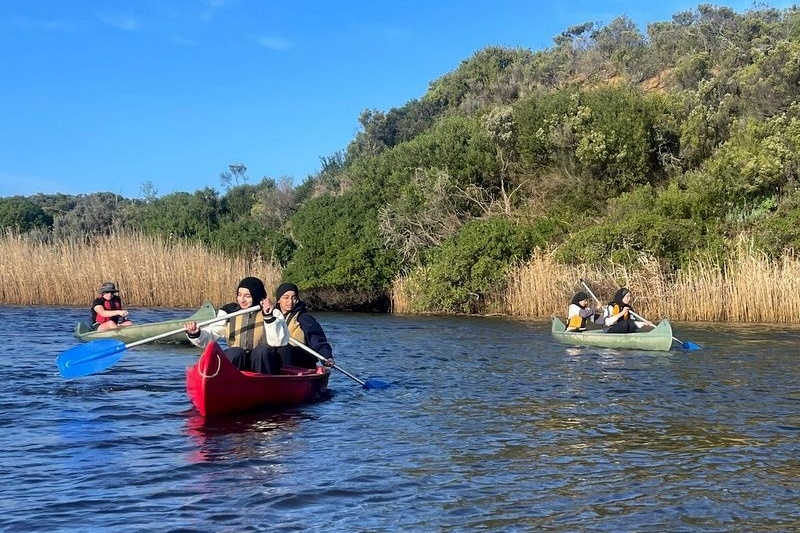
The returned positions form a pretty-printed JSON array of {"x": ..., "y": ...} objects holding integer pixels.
[
  {"x": 137, "y": 332},
  {"x": 657, "y": 339},
  {"x": 216, "y": 387}
]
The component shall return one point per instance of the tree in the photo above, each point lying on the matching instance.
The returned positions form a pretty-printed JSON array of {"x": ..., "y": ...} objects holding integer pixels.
[
  {"x": 234, "y": 176},
  {"x": 622, "y": 47},
  {"x": 473, "y": 263},
  {"x": 148, "y": 191},
  {"x": 275, "y": 204},
  {"x": 21, "y": 214},
  {"x": 339, "y": 247},
  {"x": 93, "y": 214},
  {"x": 182, "y": 215}
]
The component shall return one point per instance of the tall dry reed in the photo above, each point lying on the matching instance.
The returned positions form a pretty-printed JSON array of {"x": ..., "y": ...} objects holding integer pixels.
[
  {"x": 746, "y": 287},
  {"x": 150, "y": 272},
  {"x": 154, "y": 272}
]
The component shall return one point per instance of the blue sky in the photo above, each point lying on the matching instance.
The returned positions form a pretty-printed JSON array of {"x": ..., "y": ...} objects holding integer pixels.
[{"x": 102, "y": 95}]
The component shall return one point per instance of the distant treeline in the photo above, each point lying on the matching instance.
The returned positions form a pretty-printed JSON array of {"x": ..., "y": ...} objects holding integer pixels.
[{"x": 611, "y": 148}]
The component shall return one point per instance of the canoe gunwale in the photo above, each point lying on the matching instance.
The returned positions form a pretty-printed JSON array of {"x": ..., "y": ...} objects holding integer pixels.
[
  {"x": 217, "y": 388},
  {"x": 657, "y": 339},
  {"x": 145, "y": 330}
]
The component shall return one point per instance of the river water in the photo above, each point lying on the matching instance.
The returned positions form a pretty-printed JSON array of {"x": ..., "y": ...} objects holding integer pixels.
[{"x": 488, "y": 425}]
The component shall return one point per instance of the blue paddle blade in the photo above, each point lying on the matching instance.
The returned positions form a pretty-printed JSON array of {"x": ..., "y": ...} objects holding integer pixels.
[
  {"x": 690, "y": 346},
  {"x": 375, "y": 384},
  {"x": 89, "y": 358}
]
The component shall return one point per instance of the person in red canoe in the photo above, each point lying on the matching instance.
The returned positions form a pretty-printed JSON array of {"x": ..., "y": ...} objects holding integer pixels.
[
  {"x": 302, "y": 327},
  {"x": 107, "y": 311},
  {"x": 253, "y": 339}
]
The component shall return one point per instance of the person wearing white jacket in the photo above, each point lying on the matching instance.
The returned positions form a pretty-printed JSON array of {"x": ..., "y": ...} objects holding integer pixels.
[{"x": 253, "y": 338}]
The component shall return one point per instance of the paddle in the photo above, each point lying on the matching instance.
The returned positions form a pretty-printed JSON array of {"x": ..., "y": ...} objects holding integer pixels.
[
  {"x": 684, "y": 345},
  {"x": 100, "y": 354},
  {"x": 688, "y": 345},
  {"x": 369, "y": 384}
]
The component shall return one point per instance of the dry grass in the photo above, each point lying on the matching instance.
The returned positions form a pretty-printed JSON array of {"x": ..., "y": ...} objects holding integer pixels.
[
  {"x": 149, "y": 271},
  {"x": 152, "y": 272},
  {"x": 749, "y": 288}
]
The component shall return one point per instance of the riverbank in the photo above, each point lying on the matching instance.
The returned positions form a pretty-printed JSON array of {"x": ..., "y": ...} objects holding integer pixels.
[
  {"x": 149, "y": 271},
  {"x": 747, "y": 287},
  {"x": 153, "y": 272}
]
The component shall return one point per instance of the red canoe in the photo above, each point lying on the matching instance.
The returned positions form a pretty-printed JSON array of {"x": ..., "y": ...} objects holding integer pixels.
[{"x": 216, "y": 387}]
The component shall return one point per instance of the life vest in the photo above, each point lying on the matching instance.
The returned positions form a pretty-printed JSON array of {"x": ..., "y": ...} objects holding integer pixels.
[
  {"x": 616, "y": 309},
  {"x": 292, "y": 355},
  {"x": 577, "y": 322},
  {"x": 246, "y": 331},
  {"x": 114, "y": 304},
  {"x": 295, "y": 331}
]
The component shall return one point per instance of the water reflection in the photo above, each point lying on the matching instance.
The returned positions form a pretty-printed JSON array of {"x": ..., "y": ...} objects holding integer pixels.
[{"x": 244, "y": 436}]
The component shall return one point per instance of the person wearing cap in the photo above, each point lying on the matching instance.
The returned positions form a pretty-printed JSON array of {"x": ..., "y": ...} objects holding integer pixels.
[
  {"x": 302, "y": 327},
  {"x": 253, "y": 339},
  {"x": 107, "y": 311},
  {"x": 579, "y": 312}
]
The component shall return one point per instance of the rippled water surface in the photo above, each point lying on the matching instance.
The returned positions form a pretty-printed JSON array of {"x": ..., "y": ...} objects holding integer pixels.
[{"x": 487, "y": 426}]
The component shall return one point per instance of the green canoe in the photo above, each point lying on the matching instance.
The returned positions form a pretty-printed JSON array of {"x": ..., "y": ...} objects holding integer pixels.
[
  {"x": 659, "y": 338},
  {"x": 138, "y": 332}
]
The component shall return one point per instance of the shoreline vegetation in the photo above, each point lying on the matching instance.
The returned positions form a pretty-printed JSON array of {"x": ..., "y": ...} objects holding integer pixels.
[
  {"x": 666, "y": 160},
  {"x": 155, "y": 272},
  {"x": 150, "y": 271}
]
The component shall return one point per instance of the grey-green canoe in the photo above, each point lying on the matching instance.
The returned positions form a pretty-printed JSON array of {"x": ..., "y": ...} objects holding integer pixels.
[
  {"x": 138, "y": 332},
  {"x": 658, "y": 338}
]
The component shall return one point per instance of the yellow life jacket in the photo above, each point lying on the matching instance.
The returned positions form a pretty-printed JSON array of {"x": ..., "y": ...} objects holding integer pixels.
[
  {"x": 292, "y": 355},
  {"x": 577, "y": 322},
  {"x": 246, "y": 331},
  {"x": 295, "y": 331},
  {"x": 616, "y": 309}
]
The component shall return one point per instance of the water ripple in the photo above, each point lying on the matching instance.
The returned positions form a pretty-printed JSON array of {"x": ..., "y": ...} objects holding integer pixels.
[{"x": 488, "y": 426}]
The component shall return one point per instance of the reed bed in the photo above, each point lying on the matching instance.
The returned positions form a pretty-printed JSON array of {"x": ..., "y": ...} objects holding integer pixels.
[
  {"x": 149, "y": 271},
  {"x": 155, "y": 272},
  {"x": 746, "y": 287},
  {"x": 749, "y": 287}
]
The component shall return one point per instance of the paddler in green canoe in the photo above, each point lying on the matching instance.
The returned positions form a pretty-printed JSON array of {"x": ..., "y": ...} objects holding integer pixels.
[{"x": 619, "y": 314}]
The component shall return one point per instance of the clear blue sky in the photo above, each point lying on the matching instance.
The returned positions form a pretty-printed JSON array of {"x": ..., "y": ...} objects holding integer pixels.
[{"x": 101, "y": 95}]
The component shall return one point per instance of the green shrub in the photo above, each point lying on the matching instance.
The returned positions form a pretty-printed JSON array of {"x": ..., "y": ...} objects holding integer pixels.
[{"x": 474, "y": 263}]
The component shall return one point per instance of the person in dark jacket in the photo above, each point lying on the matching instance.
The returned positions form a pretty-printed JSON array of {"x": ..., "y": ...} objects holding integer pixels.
[{"x": 303, "y": 327}]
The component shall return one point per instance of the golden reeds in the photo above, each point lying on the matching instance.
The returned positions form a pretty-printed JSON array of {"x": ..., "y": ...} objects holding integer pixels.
[
  {"x": 150, "y": 272},
  {"x": 748, "y": 287},
  {"x": 154, "y": 272}
]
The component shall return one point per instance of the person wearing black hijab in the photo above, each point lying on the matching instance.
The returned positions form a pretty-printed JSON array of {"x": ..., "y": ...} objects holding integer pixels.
[
  {"x": 619, "y": 314},
  {"x": 579, "y": 312},
  {"x": 303, "y": 327},
  {"x": 253, "y": 338}
]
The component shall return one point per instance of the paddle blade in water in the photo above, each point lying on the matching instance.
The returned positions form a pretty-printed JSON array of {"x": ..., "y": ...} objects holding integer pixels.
[
  {"x": 375, "y": 384},
  {"x": 690, "y": 346},
  {"x": 89, "y": 358}
]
